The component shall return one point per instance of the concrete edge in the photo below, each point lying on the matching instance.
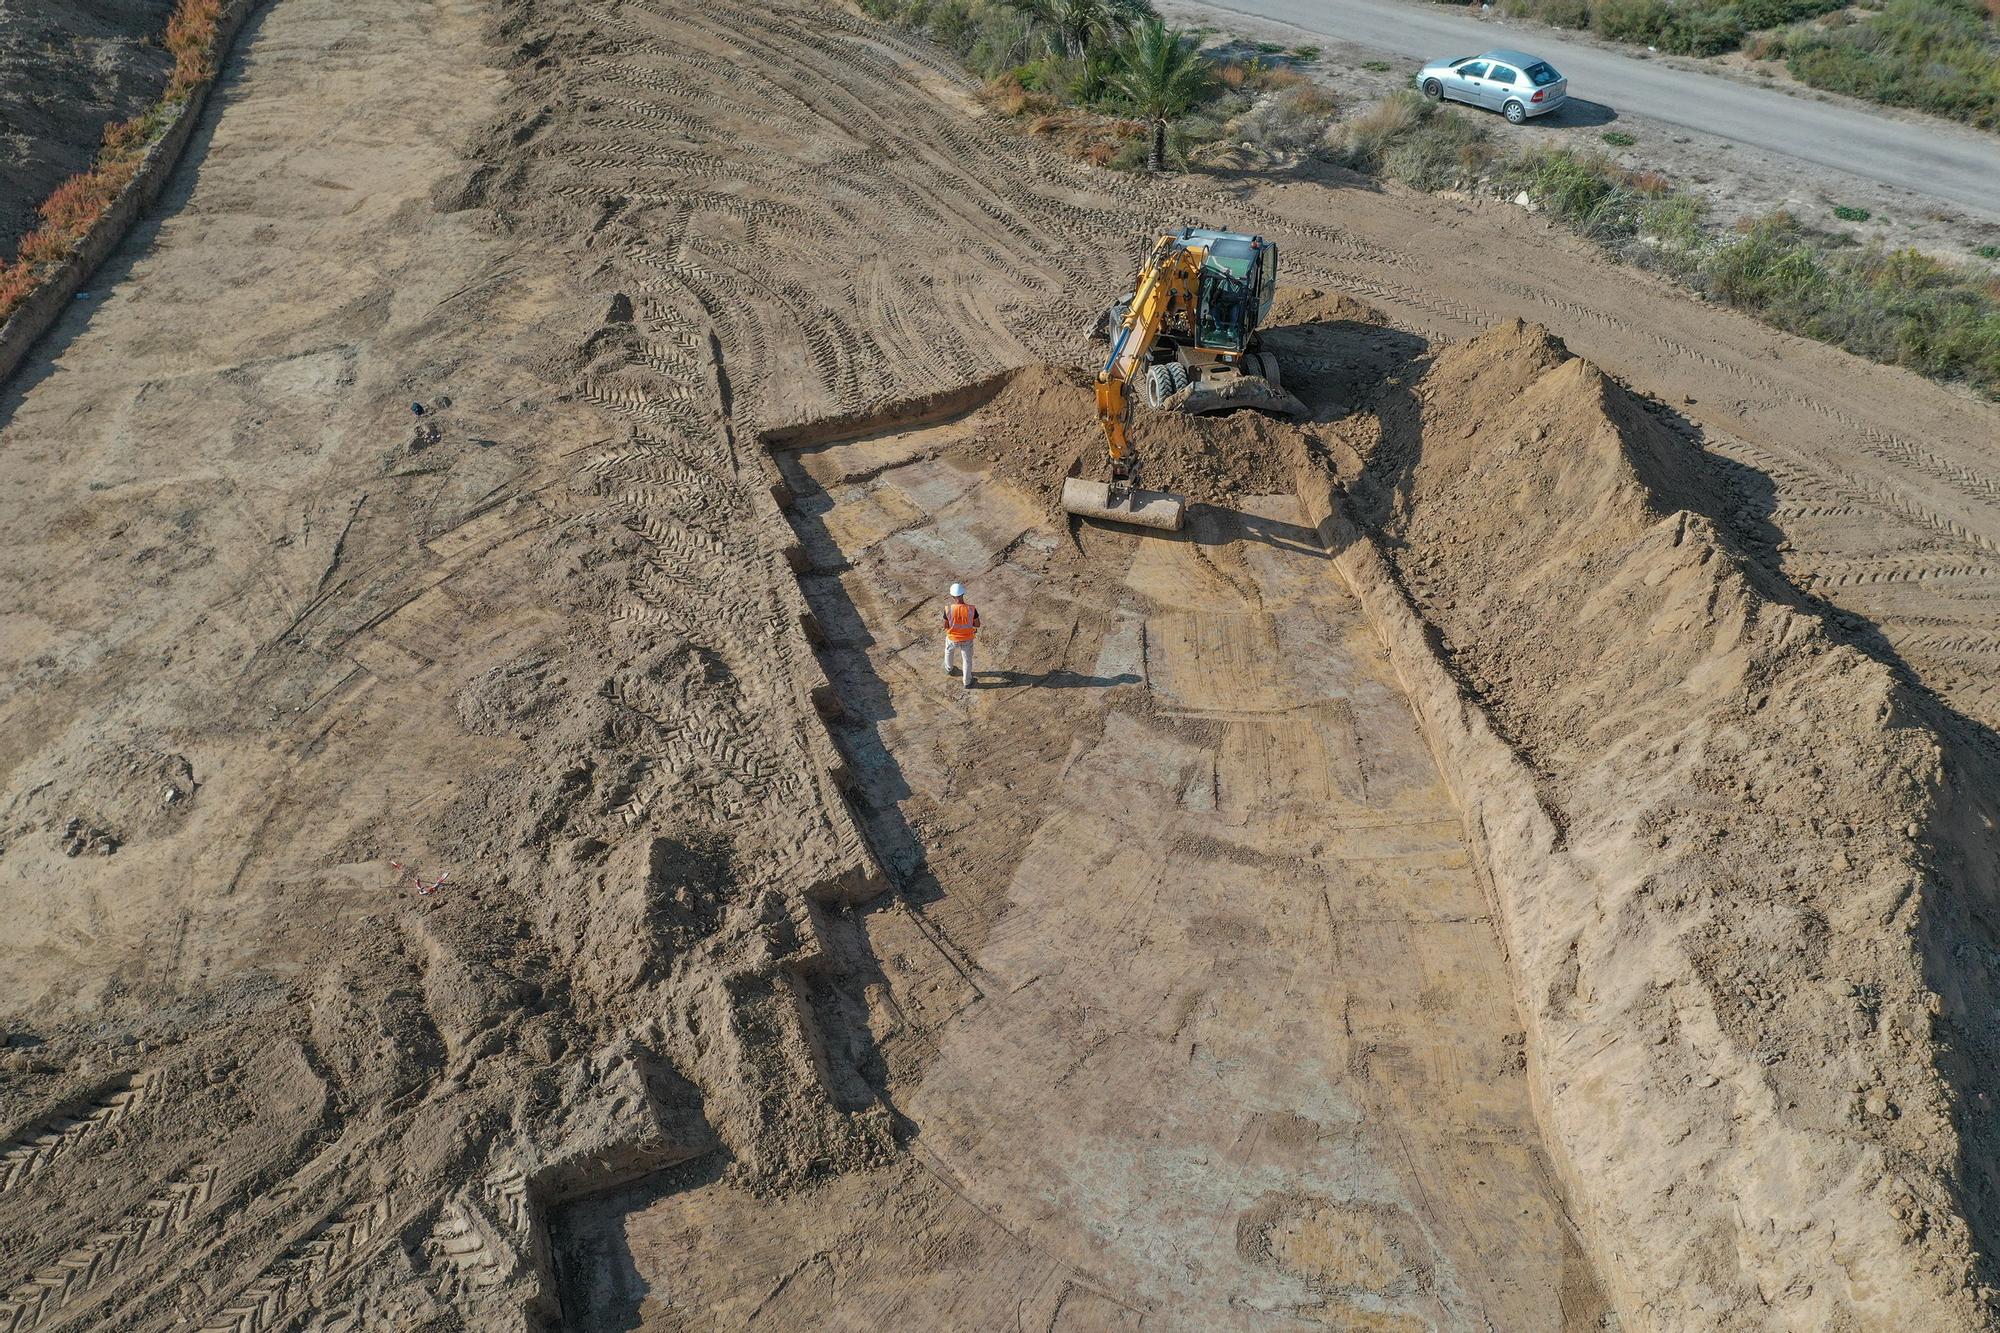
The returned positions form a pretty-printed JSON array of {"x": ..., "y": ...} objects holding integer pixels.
[{"x": 39, "y": 313}]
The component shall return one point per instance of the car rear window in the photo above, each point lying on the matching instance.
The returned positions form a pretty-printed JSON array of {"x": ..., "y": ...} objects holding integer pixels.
[
  {"x": 1543, "y": 75},
  {"x": 1503, "y": 74}
]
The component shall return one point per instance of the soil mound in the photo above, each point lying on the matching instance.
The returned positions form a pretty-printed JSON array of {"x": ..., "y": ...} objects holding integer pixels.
[
  {"x": 1043, "y": 423},
  {"x": 1743, "y": 1051}
]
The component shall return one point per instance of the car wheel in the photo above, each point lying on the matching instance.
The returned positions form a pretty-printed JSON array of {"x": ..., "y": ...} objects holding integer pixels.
[
  {"x": 1434, "y": 90},
  {"x": 1515, "y": 113}
]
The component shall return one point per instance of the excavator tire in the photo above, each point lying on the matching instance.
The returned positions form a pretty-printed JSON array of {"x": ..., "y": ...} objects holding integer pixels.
[{"x": 1160, "y": 384}]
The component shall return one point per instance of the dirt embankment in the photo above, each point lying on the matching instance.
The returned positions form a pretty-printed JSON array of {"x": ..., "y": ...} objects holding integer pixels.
[
  {"x": 68, "y": 68},
  {"x": 1749, "y": 942},
  {"x": 1042, "y": 423}
]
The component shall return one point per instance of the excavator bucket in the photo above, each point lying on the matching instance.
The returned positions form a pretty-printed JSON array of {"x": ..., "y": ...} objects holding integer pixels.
[
  {"x": 1249, "y": 391},
  {"x": 1123, "y": 504}
]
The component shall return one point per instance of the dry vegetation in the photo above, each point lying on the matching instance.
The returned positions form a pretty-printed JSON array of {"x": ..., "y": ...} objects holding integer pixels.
[
  {"x": 69, "y": 213},
  {"x": 1940, "y": 56}
]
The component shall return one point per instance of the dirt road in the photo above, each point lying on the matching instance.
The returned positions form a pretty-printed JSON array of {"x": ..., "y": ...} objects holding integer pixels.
[
  {"x": 262, "y": 647},
  {"x": 1922, "y": 156}
]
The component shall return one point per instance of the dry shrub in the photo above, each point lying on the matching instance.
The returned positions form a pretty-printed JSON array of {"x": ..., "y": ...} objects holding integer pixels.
[
  {"x": 191, "y": 40},
  {"x": 16, "y": 281},
  {"x": 1649, "y": 183},
  {"x": 1275, "y": 78},
  {"x": 1294, "y": 121},
  {"x": 1007, "y": 95},
  {"x": 1388, "y": 120}
]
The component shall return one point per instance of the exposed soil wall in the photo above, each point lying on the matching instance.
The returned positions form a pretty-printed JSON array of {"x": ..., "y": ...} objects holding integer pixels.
[{"x": 1719, "y": 845}]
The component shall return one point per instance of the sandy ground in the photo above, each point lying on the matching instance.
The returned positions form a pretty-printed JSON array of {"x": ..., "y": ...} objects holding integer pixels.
[
  {"x": 259, "y": 651},
  {"x": 1227, "y": 841},
  {"x": 68, "y": 68}
]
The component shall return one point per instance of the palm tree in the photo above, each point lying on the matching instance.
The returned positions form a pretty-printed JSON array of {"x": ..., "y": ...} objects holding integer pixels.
[
  {"x": 1161, "y": 73},
  {"x": 1072, "y": 27}
]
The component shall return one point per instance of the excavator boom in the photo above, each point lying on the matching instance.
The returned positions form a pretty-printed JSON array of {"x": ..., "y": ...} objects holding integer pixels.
[{"x": 1185, "y": 334}]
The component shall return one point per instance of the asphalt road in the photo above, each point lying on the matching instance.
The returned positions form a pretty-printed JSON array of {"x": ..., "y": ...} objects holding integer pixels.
[{"x": 1927, "y": 158}]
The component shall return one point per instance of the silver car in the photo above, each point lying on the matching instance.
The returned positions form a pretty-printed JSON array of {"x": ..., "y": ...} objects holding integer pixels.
[{"x": 1514, "y": 83}]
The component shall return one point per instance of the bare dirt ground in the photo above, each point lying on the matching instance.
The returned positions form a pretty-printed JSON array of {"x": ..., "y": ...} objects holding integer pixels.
[
  {"x": 68, "y": 68},
  {"x": 260, "y": 650},
  {"x": 1187, "y": 825}
]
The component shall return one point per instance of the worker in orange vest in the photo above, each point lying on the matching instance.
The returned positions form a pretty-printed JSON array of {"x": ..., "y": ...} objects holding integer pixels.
[{"x": 961, "y": 627}]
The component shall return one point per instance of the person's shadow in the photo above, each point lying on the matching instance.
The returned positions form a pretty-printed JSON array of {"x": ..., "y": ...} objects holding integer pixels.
[{"x": 1060, "y": 679}]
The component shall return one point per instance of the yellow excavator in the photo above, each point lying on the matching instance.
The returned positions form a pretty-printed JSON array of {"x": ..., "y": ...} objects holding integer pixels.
[{"x": 1186, "y": 335}]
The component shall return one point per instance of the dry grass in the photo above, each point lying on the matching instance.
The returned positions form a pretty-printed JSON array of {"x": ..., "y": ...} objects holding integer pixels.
[{"x": 191, "y": 39}]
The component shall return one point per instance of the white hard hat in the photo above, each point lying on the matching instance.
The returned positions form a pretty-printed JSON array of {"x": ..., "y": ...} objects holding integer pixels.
[{"x": 958, "y": 590}]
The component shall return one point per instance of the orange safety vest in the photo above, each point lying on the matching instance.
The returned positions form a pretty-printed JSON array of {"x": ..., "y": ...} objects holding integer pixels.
[{"x": 961, "y": 622}]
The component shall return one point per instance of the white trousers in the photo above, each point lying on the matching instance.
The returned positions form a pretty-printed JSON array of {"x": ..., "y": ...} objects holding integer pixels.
[{"x": 964, "y": 652}]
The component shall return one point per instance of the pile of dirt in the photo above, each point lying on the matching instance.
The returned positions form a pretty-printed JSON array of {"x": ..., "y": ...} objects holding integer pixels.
[
  {"x": 68, "y": 68},
  {"x": 1043, "y": 423},
  {"x": 1748, "y": 1023}
]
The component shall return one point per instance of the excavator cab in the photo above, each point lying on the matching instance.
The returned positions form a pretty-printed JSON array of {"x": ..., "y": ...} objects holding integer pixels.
[
  {"x": 1183, "y": 339},
  {"x": 1237, "y": 283}
]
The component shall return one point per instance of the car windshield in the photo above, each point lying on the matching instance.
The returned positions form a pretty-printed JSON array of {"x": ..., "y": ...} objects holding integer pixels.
[{"x": 1543, "y": 74}]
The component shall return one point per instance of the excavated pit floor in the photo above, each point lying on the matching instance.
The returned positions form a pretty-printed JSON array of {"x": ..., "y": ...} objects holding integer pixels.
[{"x": 1189, "y": 1002}]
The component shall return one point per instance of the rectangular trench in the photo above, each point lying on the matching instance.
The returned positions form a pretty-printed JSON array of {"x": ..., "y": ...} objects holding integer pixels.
[{"x": 1188, "y": 1002}]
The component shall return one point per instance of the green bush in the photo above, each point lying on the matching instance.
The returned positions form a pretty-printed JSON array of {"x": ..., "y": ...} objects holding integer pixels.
[
  {"x": 1987, "y": 251},
  {"x": 1777, "y": 13},
  {"x": 1640, "y": 21},
  {"x": 1412, "y": 140},
  {"x": 1637, "y": 214},
  {"x": 1939, "y": 56},
  {"x": 1897, "y": 306},
  {"x": 1560, "y": 13},
  {"x": 1618, "y": 138},
  {"x": 1848, "y": 213}
]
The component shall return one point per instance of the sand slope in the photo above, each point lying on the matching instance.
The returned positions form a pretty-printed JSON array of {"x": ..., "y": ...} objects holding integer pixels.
[{"x": 1724, "y": 943}]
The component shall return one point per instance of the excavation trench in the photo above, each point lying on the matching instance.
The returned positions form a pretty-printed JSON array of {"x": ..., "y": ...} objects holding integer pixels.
[{"x": 1188, "y": 1002}]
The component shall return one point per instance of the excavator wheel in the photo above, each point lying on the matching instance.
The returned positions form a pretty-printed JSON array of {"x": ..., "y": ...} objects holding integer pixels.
[{"x": 1164, "y": 381}]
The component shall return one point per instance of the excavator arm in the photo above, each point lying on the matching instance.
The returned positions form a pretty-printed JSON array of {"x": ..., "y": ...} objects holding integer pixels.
[
  {"x": 1167, "y": 280},
  {"x": 1201, "y": 293}
]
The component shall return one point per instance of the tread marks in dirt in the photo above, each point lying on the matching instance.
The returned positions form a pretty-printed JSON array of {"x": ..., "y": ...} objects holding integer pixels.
[
  {"x": 307, "y": 1269},
  {"x": 1937, "y": 567},
  {"x": 87, "y": 1269},
  {"x": 37, "y": 1147}
]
